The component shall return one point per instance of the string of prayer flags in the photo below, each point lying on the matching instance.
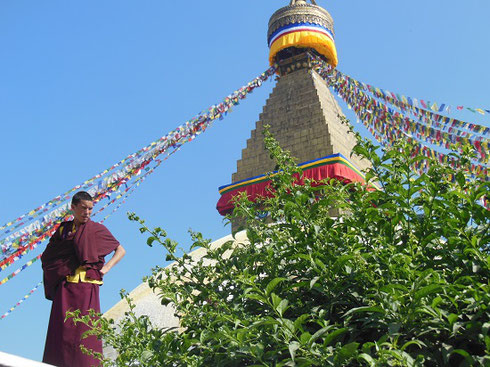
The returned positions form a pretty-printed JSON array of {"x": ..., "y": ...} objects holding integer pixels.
[
  {"x": 40, "y": 223},
  {"x": 386, "y": 135},
  {"x": 29, "y": 263},
  {"x": 127, "y": 192},
  {"x": 21, "y": 300},
  {"x": 426, "y": 104},
  {"x": 381, "y": 119},
  {"x": 388, "y": 125},
  {"x": 356, "y": 95},
  {"x": 34, "y": 241},
  {"x": 432, "y": 134},
  {"x": 421, "y": 110},
  {"x": 453, "y": 126},
  {"x": 421, "y": 131},
  {"x": 378, "y": 122},
  {"x": 24, "y": 233}
]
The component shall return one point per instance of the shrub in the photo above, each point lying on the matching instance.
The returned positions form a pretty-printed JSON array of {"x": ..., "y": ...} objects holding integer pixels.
[{"x": 399, "y": 278}]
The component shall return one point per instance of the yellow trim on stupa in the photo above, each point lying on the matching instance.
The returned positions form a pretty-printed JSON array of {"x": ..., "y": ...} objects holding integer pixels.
[{"x": 305, "y": 39}]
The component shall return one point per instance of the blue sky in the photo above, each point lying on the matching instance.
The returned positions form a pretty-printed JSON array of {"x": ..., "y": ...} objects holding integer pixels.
[{"x": 85, "y": 83}]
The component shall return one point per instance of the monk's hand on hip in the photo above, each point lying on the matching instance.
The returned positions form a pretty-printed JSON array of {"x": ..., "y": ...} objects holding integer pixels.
[{"x": 104, "y": 270}]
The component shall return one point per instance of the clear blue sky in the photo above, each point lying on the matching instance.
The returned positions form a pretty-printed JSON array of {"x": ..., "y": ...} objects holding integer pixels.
[{"x": 85, "y": 83}]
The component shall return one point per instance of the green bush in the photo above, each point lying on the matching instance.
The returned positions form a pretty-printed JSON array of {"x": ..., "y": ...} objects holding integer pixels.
[{"x": 399, "y": 278}]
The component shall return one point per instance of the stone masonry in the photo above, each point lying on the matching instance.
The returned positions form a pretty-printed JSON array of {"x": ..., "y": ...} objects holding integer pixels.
[{"x": 303, "y": 116}]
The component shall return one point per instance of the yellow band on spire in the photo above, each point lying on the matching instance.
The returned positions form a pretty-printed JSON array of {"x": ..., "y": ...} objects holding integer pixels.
[{"x": 305, "y": 39}]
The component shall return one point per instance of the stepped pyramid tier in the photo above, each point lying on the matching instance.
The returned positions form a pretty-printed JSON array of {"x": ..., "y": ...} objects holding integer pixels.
[
  {"x": 304, "y": 118},
  {"x": 302, "y": 25}
]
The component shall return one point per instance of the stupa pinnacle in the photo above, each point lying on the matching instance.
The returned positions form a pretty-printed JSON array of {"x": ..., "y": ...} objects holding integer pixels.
[
  {"x": 301, "y": 25},
  {"x": 293, "y": 2}
]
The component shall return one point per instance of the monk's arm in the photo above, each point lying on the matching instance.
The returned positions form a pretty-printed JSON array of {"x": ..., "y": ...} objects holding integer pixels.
[{"x": 118, "y": 255}]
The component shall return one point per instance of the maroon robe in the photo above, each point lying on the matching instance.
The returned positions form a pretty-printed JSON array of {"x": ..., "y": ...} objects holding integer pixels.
[{"x": 66, "y": 252}]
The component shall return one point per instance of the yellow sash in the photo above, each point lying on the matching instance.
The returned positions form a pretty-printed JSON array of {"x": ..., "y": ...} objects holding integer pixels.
[{"x": 80, "y": 276}]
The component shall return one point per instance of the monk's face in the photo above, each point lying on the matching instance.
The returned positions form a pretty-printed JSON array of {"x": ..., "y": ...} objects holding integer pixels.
[{"x": 82, "y": 211}]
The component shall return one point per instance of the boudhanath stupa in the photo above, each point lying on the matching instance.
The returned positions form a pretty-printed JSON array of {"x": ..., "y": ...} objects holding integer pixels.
[{"x": 303, "y": 116}]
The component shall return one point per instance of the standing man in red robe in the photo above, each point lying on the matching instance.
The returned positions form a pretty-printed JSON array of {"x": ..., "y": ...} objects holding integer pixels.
[{"x": 73, "y": 268}]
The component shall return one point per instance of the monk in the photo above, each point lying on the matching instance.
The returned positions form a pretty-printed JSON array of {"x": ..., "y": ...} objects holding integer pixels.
[{"x": 73, "y": 268}]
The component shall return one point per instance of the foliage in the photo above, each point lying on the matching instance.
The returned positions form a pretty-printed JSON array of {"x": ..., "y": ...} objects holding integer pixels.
[{"x": 400, "y": 277}]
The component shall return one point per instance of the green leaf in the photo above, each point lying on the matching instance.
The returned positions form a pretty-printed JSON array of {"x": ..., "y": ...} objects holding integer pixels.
[
  {"x": 150, "y": 241},
  {"x": 389, "y": 288},
  {"x": 289, "y": 325},
  {"x": 305, "y": 338},
  {"x": 429, "y": 289},
  {"x": 267, "y": 321},
  {"x": 298, "y": 323},
  {"x": 293, "y": 347},
  {"x": 413, "y": 342},
  {"x": 367, "y": 358},
  {"x": 364, "y": 309},
  {"x": 460, "y": 179},
  {"x": 241, "y": 333},
  {"x": 282, "y": 307},
  {"x": 403, "y": 357},
  {"x": 452, "y": 319},
  {"x": 465, "y": 354},
  {"x": 436, "y": 302},
  {"x": 485, "y": 328},
  {"x": 320, "y": 264},
  {"x": 332, "y": 336},
  {"x": 273, "y": 284},
  {"x": 146, "y": 356},
  {"x": 319, "y": 333},
  {"x": 276, "y": 300},
  {"x": 347, "y": 352},
  {"x": 256, "y": 297},
  {"x": 313, "y": 282}
]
